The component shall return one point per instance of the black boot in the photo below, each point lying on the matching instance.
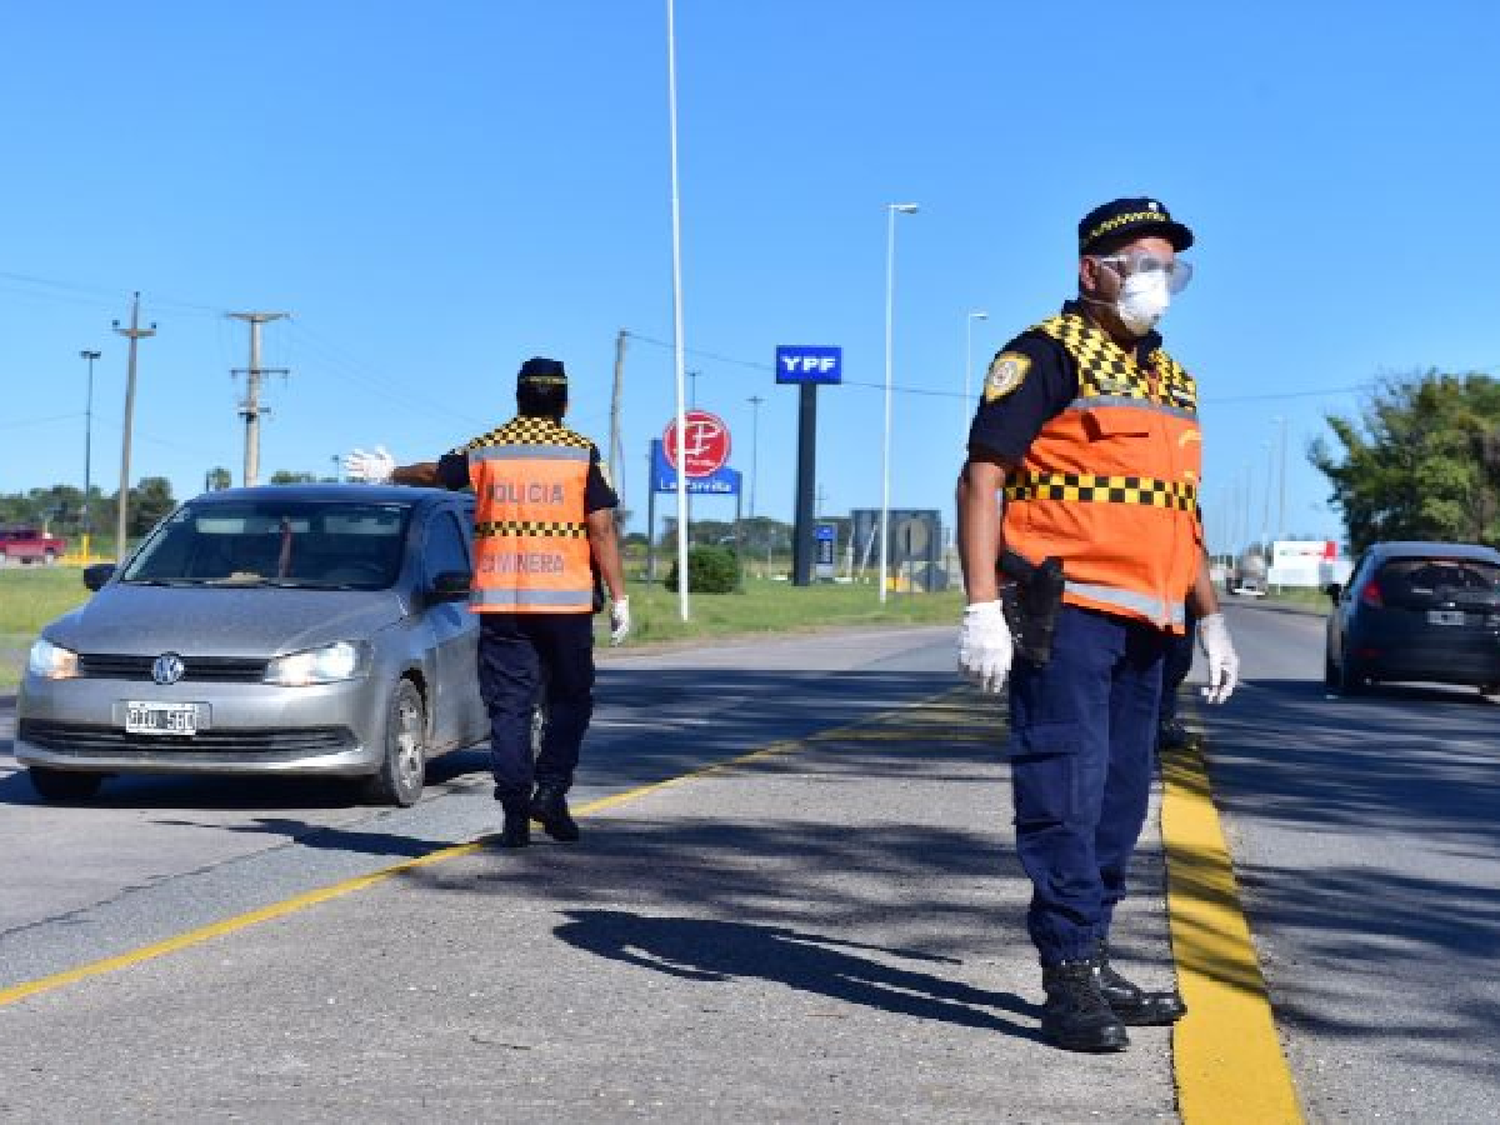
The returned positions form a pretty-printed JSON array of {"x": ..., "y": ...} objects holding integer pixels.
[
  {"x": 1075, "y": 1017},
  {"x": 1172, "y": 735},
  {"x": 549, "y": 808},
  {"x": 1133, "y": 1004},
  {"x": 517, "y": 830}
]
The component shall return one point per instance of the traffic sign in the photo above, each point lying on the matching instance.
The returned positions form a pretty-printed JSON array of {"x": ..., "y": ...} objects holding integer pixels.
[
  {"x": 809, "y": 363},
  {"x": 705, "y": 443}
]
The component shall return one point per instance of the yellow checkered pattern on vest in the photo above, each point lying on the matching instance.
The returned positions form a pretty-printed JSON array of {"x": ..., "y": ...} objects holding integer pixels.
[
  {"x": 550, "y": 529},
  {"x": 524, "y": 430},
  {"x": 1088, "y": 488},
  {"x": 1106, "y": 369}
]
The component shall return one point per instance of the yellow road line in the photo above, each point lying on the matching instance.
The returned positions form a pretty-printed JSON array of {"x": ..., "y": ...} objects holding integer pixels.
[
  {"x": 323, "y": 894},
  {"x": 1227, "y": 1058}
]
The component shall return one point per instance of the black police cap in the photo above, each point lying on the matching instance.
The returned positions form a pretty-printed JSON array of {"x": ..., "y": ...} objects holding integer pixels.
[
  {"x": 1131, "y": 218},
  {"x": 539, "y": 371}
]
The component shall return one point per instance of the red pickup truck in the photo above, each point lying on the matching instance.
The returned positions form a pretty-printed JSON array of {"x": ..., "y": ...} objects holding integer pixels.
[{"x": 27, "y": 545}]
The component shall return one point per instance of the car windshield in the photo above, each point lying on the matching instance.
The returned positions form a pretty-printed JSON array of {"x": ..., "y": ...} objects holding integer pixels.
[
  {"x": 272, "y": 542},
  {"x": 1424, "y": 582}
]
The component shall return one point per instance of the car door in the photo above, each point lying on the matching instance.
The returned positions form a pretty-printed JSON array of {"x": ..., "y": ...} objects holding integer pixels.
[{"x": 458, "y": 714}]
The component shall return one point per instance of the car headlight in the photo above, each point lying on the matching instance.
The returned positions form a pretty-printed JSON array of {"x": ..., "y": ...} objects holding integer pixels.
[
  {"x": 50, "y": 661},
  {"x": 343, "y": 660}
]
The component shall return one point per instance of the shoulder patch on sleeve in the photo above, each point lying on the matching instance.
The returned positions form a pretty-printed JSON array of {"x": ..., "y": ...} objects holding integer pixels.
[{"x": 1007, "y": 372}]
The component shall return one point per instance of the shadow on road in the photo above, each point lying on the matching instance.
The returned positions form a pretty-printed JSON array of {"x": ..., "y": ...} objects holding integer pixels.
[{"x": 700, "y": 949}]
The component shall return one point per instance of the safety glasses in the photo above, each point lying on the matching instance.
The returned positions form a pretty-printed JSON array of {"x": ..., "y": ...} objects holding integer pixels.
[{"x": 1178, "y": 272}]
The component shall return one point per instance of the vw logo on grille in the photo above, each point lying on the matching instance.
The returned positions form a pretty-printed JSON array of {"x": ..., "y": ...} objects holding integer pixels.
[{"x": 168, "y": 668}]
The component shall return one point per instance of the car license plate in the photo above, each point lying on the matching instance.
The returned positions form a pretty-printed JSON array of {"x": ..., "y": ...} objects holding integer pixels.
[
  {"x": 1445, "y": 617},
  {"x": 161, "y": 718}
]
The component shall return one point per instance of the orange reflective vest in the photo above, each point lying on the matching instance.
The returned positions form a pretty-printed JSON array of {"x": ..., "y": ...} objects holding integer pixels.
[
  {"x": 531, "y": 547},
  {"x": 1110, "y": 485}
]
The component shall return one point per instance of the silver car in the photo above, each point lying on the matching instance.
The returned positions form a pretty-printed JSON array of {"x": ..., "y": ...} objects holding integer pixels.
[{"x": 309, "y": 630}]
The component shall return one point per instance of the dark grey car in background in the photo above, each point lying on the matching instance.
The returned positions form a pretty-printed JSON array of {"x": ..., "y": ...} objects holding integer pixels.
[
  {"x": 303, "y": 630},
  {"x": 1417, "y": 611}
]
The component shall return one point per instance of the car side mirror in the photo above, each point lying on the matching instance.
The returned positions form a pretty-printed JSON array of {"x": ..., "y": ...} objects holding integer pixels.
[
  {"x": 450, "y": 586},
  {"x": 1333, "y": 590},
  {"x": 95, "y": 576}
]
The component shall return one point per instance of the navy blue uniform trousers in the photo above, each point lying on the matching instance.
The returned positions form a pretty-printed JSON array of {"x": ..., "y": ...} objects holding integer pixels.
[
  {"x": 1083, "y": 739},
  {"x": 516, "y": 650}
]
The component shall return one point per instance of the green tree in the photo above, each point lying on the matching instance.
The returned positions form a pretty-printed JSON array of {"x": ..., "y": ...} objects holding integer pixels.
[
  {"x": 286, "y": 476},
  {"x": 217, "y": 479},
  {"x": 150, "y": 502},
  {"x": 1421, "y": 461}
]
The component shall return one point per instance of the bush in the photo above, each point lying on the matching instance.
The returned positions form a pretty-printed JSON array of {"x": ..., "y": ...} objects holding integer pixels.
[{"x": 711, "y": 570}]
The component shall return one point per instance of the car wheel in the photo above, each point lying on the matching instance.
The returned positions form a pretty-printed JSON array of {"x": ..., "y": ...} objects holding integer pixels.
[
  {"x": 64, "y": 785},
  {"x": 403, "y": 768}
]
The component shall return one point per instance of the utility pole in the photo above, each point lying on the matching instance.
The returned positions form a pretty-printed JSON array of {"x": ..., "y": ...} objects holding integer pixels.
[
  {"x": 755, "y": 401},
  {"x": 251, "y": 409},
  {"x": 135, "y": 333},
  {"x": 616, "y": 450},
  {"x": 88, "y": 441},
  {"x": 1281, "y": 528}
]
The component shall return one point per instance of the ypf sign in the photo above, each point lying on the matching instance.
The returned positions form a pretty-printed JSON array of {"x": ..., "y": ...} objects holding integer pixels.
[
  {"x": 809, "y": 363},
  {"x": 705, "y": 440}
]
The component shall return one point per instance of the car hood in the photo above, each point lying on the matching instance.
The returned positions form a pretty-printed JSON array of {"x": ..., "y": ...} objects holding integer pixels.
[{"x": 219, "y": 621}]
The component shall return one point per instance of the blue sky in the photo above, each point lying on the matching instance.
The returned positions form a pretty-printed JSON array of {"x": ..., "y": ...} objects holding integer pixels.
[{"x": 436, "y": 192}]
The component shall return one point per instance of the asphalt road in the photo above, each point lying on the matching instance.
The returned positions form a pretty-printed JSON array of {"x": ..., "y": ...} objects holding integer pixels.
[
  {"x": 830, "y": 932},
  {"x": 1366, "y": 838}
]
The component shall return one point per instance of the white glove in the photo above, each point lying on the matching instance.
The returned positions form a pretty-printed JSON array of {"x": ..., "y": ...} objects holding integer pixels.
[
  {"x": 619, "y": 621},
  {"x": 373, "y": 468},
  {"x": 985, "y": 648},
  {"x": 1223, "y": 663}
]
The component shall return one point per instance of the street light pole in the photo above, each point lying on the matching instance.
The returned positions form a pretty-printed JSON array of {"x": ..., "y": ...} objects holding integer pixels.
[
  {"x": 968, "y": 405},
  {"x": 892, "y": 210},
  {"x": 677, "y": 332},
  {"x": 88, "y": 441}
]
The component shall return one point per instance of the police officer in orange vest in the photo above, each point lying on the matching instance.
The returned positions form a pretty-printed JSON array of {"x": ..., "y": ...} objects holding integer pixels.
[
  {"x": 1088, "y": 437},
  {"x": 544, "y": 525}
]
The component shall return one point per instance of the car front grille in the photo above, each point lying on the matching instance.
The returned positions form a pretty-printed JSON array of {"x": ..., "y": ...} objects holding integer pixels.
[
  {"x": 196, "y": 669},
  {"x": 77, "y": 738}
]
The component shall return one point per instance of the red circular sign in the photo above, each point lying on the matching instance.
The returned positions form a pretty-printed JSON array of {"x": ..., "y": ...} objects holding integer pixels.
[{"x": 705, "y": 442}]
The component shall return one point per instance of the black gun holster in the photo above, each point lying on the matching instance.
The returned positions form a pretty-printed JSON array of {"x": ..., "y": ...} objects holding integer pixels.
[{"x": 1031, "y": 594}]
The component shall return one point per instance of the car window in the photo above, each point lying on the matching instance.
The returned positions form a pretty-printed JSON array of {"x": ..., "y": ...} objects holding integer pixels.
[
  {"x": 447, "y": 545},
  {"x": 1422, "y": 582},
  {"x": 275, "y": 541}
]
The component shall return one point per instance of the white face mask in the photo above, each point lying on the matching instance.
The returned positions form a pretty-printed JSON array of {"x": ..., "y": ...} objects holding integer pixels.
[{"x": 1143, "y": 299}]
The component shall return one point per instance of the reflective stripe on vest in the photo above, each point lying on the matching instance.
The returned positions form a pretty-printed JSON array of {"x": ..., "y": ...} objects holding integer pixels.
[
  {"x": 530, "y": 533},
  {"x": 1110, "y": 485}
]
